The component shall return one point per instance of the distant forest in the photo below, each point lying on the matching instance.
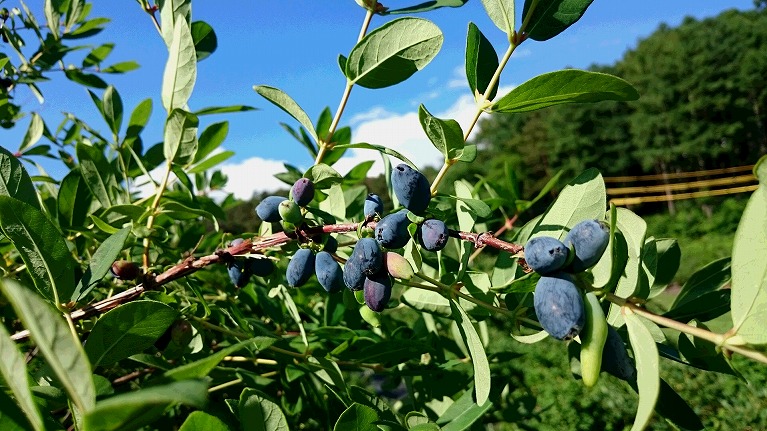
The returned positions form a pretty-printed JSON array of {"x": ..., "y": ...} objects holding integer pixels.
[{"x": 703, "y": 105}]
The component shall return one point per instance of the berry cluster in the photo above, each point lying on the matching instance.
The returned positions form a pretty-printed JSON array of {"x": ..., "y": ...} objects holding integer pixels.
[
  {"x": 369, "y": 268},
  {"x": 558, "y": 302}
]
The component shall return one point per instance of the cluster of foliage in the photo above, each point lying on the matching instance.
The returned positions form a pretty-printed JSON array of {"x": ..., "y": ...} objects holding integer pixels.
[
  {"x": 703, "y": 106},
  {"x": 178, "y": 347}
]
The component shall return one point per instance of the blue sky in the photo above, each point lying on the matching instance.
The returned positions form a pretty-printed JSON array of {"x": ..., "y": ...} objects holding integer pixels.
[{"x": 294, "y": 44}]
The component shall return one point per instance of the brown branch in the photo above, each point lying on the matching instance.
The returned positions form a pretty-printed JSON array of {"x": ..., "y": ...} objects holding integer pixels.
[{"x": 191, "y": 264}]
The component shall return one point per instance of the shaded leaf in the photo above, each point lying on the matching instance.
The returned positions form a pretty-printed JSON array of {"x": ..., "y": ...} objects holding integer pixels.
[
  {"x": 204, "y": 38},
  {"x": 552, "y": 17},
  {"x": 15, "y": 181},
  {"x": 100, "y": 262},
  {"x": 481, "y": 60},
  {"x": 13, "y": 370},
  {"x": 476, "y": 350},
  {"x": 648, "y": 377},
  {"x": 257, "y": 413}
]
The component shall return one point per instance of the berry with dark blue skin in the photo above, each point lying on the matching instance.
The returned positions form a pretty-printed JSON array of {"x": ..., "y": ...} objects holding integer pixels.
[
  {"x": 411, "y": 188},
  {"x": 302, "y": 191},
  {"x": 590, "y": 239},
  {"x": 373, "y": 206},
  {"x": 545, "y": 254},
  {"x": 236, "y": 242},
  {"x": 615, "y": 359},
  {"x": 377, "y": 289},
  {"x": 331, "y": 244},
  {"x": 433, "y": 235},
  {"x": 328, "y": 272},
  {"x": 261, "y": 266},
  {"x": 269, "y": 209},
  {"x": 559, "y": 306},
  {"x": 300, "y": 267},
  {"x": 391, "y": 231},
  {"x": 366, "y": 259},
  {"x": 239, "y": 273}
]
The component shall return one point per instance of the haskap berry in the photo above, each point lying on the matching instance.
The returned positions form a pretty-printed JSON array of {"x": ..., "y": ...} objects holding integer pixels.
[{"x": 411, "y": 188}]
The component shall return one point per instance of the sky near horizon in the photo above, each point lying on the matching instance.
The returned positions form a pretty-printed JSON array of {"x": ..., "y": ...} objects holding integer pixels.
[{"x": 293, "y": 45}]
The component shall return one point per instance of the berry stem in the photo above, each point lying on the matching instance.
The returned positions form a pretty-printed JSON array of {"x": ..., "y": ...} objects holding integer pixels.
[{"x": 325, "y": 143}]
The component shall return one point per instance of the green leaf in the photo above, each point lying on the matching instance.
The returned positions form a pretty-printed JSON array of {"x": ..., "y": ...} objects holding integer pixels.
[
  {"x": 201, "y": 421},
  {"x": 126, "y": 330},
  {"x": 139, "y": 117},
  {"x": 132, "y": 410},
  {"x": 502, "y": 14},
  {"x": 564, "y": 86},
  {"x": 180, "y": 70},
  {"x": 11, "y": 418},
  {"x": 381, "y": 149},
  {"x": 98, "y": 55},
  {"x": 121, "y": 67},
  {"x": 551, "y": 17},
  {"x": 15, "y": 181},
  {"x": 323, "y": 176},
  {"x": 393, "y": 52},
  {"x": 211, "y": 161},
  {"x": 210, "y": 139},
  {"x": 669, "y": 258},
  {"x": 674, "y": 408},
  {"x": 427, "y": 6},
  {"x": 463, "y": 413},
  {"x": 41, "y": 246},
  {"x": 74, "y": 200},
  {"x": 201, "y": 368},
  {"x": 87, "y": 79},
  {"x": 113, "y": 109},
  {"x": 224, "y": 109},
  {"x": 52, "y": 336},
  {"x": 96, "y": 171},
  {"x": 357, "y": 417},
  {"x": 749, "y": 270},
  {"x": 280, "y": 99},
  {"x": 180, "y": 138},
  {"x": 34, "y": 132},
  {"x": 13, "y": 369},
  {"x": 258, "y": 413},
  {"x": 476, "y": 350},
  {"x": 648, "y": 377},
  {"x": 710, "y": 278},
  {"x": 446, "y": 135},
  {"x": 633, "y": 230},
  {"x": 481, "y": 60},
  {"x": 100, "y": 262},
  {"x": 87, "y": 29},
  {"x": 204, "y": 38},
  {"x": 172, "y": 12},
  {"x": 467, "y": 217}
]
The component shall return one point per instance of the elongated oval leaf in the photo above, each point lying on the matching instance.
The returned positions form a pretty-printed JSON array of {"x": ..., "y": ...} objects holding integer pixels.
[
  {"x": 427, "y": 6},
  {"x": 180, "y": 138},
  {"x": 181, "y": 68},
  {"x": 481, "y": 63},
  {"x": 113, "y": 109},
  {"x": 502, "y": 14},
  {"x": 393, "y": 52},
  {"x": 281, "y": 99},
  {"x": 132, "y": 410},
  {"x": 357, "y": 417},
  {"x": 100, "y": 263},
  {"x": 551, "y": 17},
  {"x": 96, "y": 172},
  {"x": 13, "y": 369},
  {"x": 210, "y": 139},
  {"x": 44, "y": 251},
  {"x": 749, "y": 270},
  {"x": 476, "y": 350},
  {"x": 564, "y": 86},
  {"x": 74, "y": 200},
  {"x": 446, "y": 135},
  {"x": 633, "y": 231},
  {"x": 648, "y": 371},
  {"x": 15, "y": 181},
  {"x": 205, "y": 40},
  {"x": 171, "y": 12},
  {"x": 380, "y": 148},
  {"x": 258, "y": 413},
  {"x": 34, "y": 132},
  {"x": 52, "y": 336},
  {"x": 126, "y": 330},
  {"x": 201, "y": 368}
]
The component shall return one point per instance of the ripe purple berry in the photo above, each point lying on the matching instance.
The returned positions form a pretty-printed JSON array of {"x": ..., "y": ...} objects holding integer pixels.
[
  {"x": 545, "y": 254},
  {"x": 378, "y": 290},
  {"x": 302, "y": 191},
  {"x": 373, "y": 206},
  {"x": 433, "y": 235},
  {"x": 300, "y": 267},
  {"x": 269, "y": 209},
  {"x": 590, "y": 239},
  {"x": 329, "y": 272},
  {"x": 391, "y": 231},
  {"x": 559, "y": 306}
]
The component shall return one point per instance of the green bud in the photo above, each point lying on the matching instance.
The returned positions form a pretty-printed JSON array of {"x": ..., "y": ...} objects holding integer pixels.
[{"x": 370, "y": 316}]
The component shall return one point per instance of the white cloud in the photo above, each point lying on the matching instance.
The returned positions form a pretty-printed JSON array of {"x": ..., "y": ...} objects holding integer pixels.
[
  {"x": 252, "y": 175},
  {"x": 458, "y": 79}
]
